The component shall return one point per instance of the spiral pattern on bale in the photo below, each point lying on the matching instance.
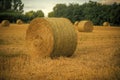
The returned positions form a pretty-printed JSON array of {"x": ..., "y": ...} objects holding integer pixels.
[{"x": 52, "y": 37}]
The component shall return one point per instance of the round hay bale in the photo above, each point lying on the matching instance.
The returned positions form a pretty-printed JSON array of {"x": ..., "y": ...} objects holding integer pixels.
[
  {"x": 106, "y": 24},
  {"x": 85, "y": 26},
  {"x": 19, "y": 21},
  {"x": 5, "y": 23},
  {"x": 52, "y": 37}
]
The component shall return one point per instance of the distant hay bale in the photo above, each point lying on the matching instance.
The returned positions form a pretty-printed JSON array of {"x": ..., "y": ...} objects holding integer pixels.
[
  {"x": 85, "y": 26},
  {"x": 5, "y": 23},
  {"x": 52, "y": 37},
  {"x": 106, "y": 24},
  {"x": 19, "y": 21}
]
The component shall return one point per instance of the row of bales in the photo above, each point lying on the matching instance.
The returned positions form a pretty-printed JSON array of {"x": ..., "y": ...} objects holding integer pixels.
[
  {"x": 53, "y": 37},
  {"x": 6, "y": 23},
  {"x": 80, "y": 25}
]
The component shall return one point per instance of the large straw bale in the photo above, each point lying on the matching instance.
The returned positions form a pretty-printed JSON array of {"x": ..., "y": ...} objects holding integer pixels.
[
  {"x": 106, "y": 24},
  {"x": 5, "y": 23},
  {"x": 52, "y": 37},
  {"x": 85, "y": 26},
  {"x": 19, "y": 21}
]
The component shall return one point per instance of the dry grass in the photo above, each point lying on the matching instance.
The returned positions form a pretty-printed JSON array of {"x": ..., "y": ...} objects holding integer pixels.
[{"x": 97, "y": 57}]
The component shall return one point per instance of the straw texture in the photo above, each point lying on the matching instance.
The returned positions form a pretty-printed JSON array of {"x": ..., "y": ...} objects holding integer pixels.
[
  {"x": 52, "y": 37},
  {"x": 14, "y": 66}
]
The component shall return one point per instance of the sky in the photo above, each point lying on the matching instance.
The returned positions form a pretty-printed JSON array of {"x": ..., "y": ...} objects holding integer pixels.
[{"x": 47, "y": 5}]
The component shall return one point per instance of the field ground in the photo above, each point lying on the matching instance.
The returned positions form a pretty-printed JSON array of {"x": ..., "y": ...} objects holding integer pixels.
[{"x": 97, "y": 57}]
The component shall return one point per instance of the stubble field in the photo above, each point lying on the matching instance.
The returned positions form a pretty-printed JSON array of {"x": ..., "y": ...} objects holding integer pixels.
[{"x": 97, "y": 57}]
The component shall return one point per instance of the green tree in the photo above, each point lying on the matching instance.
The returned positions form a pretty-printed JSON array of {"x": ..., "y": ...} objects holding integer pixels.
[
  {"x": 34, "y": 14},
  {"x": 17, "y": 5},
  {"x": 72, "y": 12},
  {"x": 38, "y": 13},
  {"x": 60, "y": 10},
  {"x": 94, "y": 11},
  {"x": 30, "y": 13},
  {"x": 51, "y": 14},
  {"x": 11, "y": 5},
  {"x": 5, "y": 5},
  {"x": 114, "y": 14}
]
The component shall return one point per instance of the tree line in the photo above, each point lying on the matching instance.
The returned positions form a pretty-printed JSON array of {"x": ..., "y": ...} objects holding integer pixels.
[
  {"x": 11, "y": 5},
  {"x": 94, "y": 11}
]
